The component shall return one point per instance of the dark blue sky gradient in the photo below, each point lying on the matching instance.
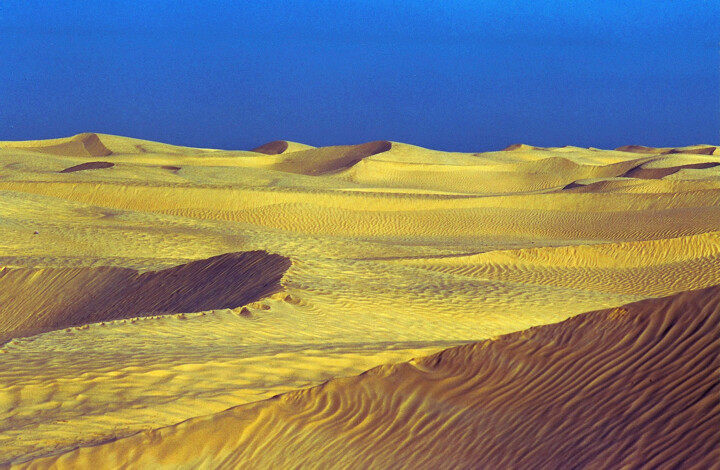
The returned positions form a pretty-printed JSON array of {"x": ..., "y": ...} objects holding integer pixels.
[{"x": 451, "y": 75}]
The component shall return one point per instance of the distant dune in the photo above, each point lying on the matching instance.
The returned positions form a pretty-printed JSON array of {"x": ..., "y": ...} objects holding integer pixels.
[
  {"x": 630, "y": 387},
  {"x": 638, "y": 149},
  {"x": 514, "y": 147},
  {"x": 657, "y": 173},
  {"x": 155, "y": 297},
  {"x": 329, "y": 159},
  {"x": 272, "y": 148},
  {"x": 37, "y": 300},
  {"x": 275, "y": 147},
  {"x": 81, "y": 145},
  {"x": 697, "y": 150}
]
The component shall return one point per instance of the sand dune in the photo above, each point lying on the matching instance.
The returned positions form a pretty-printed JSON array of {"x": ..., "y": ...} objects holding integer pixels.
[
  {"x": 81, "y": 145},
  {"x": 272, "y": 148},
  {"x": 88, "y": 166},
  {"x": 329, "y": 159},
  {"x": 657, "y": 173},
  {"x": 37, "y": 300},
  {"x": 532, "y": 170},
  {"x": 693, "y": 149},
  {"x": 275, "y": 147},
  {"x": 162, "y": 290},
  {"x": 573, "y": 394},
  {"x": 696, "y": 151},
  {"x": 653, "y": 268},
  {"x": 639, "y": 149},
  {"x": 514, "y": 147}
]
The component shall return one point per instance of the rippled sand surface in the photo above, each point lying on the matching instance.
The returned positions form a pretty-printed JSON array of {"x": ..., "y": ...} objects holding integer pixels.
[{"x": 154, "y": 299}]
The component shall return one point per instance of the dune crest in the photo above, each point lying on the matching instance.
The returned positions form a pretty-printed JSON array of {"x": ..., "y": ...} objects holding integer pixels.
[
  {"x": 81, "y": 145},
  {"x": 325, "y": 160},
  {"x": 693, "y": 150},
  {"x": 513, "y": 147},
  {"x": 656, "y": 173},
  {"x": 639, "y": 149},
  {"x": 37, "y": 300},
  {"x": 275, "y": 147},
  {"x": 88, "y": 166}
]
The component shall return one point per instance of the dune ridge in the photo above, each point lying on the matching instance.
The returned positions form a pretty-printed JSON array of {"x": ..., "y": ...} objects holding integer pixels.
[
  {"x": 37, "y": 300},
  {"x": 275, "y": 147},
  {"x": 694, "y": 149},
  {"x": 88, "y": 166},
  {"x": 657, "y": 173},
  {"x": 559, "y": 395},
  {"x": 329, "y": 159},
  {"x": 81, "y": 145}
]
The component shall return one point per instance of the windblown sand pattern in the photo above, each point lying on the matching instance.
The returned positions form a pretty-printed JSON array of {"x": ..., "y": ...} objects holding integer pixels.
[
  {"x": 576, "y": 394},
  {"x": 160, "y": 299}
]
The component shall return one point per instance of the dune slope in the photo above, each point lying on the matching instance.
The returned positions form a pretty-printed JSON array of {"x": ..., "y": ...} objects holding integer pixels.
[
  {"x": 81, "y": 145},
  {"x": 630, "y": 387},
  {"x": 37, "y": 300},
  {"x": 329, "y": 159},
  {"x": 88, "y": 166}
]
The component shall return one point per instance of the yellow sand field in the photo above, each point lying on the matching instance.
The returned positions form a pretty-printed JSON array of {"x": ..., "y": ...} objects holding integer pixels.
[{"x": 144, "y": 284}]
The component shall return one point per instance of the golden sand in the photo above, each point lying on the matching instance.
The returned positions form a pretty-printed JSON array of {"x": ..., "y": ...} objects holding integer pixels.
[{"x": 143, "y": 285}]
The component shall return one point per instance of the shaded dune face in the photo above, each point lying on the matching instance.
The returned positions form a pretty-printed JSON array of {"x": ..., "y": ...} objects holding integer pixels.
[
  {"x": 638, "y": 149},
  {"x": 81, "y": 145},
  {"x": 629, "y": 387},
  {"x": 664, "y": 151},
  {"x": 700, "y": 151},
  {"x": 275, "y": 147},
  {"x": 88, "y": 166},
  {"x": 514, "y": 147},
  {"x": 326, "y": 160},
  {"x": 657, "y": 173},
  {"x": 36, "y": 300}
]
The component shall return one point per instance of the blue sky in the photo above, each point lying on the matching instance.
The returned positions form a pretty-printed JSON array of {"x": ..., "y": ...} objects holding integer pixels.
[{"x": 451, "y": 75}]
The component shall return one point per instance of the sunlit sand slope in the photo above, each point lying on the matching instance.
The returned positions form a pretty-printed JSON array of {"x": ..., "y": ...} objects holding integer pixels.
[
  {"x": 631, "y": 387},
  {"x": 37, "y": 300},
  {"x": 652, "y": 268},
  {"x": 81, "y": 145}
]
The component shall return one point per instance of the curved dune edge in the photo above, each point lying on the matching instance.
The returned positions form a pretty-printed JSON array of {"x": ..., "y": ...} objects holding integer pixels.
[
  {"x": 325, "y": 160},
  {"x": 643, "y": 172},
  {"x": 88, "y": 166},
  {"x": 639, "y": 149},
  {"x": 39, "y": 300},
  {"x": 81, "y": 145},
  {"x": 514, "y": 147},
  {"x": 628, "y": 387},
  {"x": 694, "y": 149},
  {"x": 275, "y": 147}
]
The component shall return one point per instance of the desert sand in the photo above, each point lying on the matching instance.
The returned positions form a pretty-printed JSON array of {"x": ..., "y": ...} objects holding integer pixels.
[{"x": 378, "y": 305}]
